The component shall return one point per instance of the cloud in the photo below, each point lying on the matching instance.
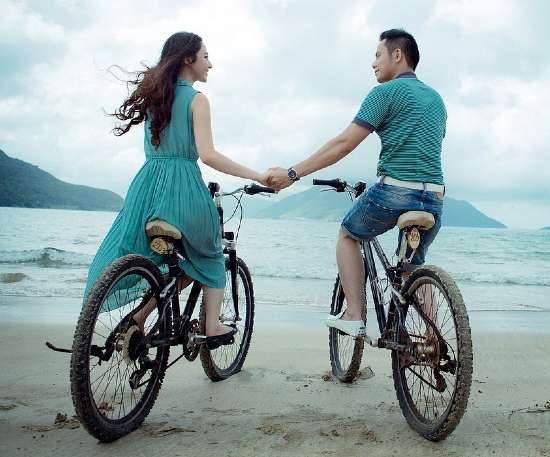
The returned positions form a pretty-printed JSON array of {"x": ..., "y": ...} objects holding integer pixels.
[
  {"x": 498, "y": 136},
  {"x": 287, "y": 76},
  {"x": 478, "y": 18}
]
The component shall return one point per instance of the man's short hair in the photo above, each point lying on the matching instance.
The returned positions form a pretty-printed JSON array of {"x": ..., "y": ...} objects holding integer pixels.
[{"x": 398, "y": 38}]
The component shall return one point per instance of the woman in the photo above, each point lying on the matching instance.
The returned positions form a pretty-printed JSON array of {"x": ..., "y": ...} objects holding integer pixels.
[{"x": 169, "y": 185}]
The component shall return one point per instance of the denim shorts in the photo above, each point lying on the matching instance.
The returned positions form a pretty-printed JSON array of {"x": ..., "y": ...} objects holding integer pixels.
[{"x": 377, "y": 210}]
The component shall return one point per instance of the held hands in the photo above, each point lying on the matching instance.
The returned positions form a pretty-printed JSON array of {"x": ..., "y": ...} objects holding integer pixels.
[{"x": 277, "y": 178}]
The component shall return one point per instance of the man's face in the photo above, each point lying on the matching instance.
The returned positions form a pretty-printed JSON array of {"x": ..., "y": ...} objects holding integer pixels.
[{"x": 383, "y": 64}]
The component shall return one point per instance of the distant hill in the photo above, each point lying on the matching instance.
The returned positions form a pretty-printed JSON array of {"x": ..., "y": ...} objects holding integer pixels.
[
  {"x": 315, "y": 204},
  {"x": 546, "y": 228},
  {"x": 25, "y": 185}
]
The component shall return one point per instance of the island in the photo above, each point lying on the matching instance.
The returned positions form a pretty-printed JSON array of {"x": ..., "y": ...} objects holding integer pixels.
[{"x": 25, "y": 185}]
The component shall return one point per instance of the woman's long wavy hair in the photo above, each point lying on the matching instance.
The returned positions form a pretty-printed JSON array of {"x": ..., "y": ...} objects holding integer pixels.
[{"x": 154, "y": 92}]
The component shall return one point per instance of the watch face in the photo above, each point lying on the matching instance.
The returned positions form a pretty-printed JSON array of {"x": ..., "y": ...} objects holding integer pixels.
[{"x": 292, "y": 174}]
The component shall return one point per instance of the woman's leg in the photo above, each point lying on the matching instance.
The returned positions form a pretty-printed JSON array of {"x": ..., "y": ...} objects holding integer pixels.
[
  {"x": 141, "y": 316},
  {"x": 213, "y": 299}
]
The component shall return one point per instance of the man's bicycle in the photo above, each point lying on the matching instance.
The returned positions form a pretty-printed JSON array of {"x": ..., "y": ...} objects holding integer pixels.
[
  {"x": 422, "y": 320},
  {"x": 117, "y": 368}
]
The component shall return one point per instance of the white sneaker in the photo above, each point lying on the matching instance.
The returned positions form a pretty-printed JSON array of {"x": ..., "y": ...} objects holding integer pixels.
[{"x": 356, "y": 329}]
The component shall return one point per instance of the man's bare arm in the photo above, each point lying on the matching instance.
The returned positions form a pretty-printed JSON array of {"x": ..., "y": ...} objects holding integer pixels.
[{"x": 330, "y": 153}]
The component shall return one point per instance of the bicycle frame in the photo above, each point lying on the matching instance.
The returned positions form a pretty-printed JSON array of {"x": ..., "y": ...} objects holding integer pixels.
[
  {"x": 398, "y": 306},
  {"x": 169, "y": 296},
  {"x": 394, "y": 274}
]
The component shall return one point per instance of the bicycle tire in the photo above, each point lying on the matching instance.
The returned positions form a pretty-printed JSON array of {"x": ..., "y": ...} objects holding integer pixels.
[
  {"x": 92, "y": 413},
  {"x": 345, "y": 371},
  {"x": 212, "y": 360},
  {"x": 439, "y": 426}
]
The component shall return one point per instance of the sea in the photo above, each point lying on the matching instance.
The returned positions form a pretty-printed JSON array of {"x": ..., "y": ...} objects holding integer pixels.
[{"x": 503, "y": 274}]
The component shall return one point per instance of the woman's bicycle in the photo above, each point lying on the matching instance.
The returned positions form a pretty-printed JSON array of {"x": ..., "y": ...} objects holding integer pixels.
[
  {"x": 117, "y": 368},
  {"x": 422, "y": 320}
]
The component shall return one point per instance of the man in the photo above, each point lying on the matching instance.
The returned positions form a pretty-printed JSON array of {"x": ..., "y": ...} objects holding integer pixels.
[{"x": 409, "y": 118}]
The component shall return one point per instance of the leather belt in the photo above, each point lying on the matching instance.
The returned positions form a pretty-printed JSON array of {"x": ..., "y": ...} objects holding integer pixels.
[{"x": 427, "y": 186}]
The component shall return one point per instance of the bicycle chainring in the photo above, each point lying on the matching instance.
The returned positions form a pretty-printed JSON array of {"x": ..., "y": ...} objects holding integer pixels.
[{"x": 188, "y": 332}]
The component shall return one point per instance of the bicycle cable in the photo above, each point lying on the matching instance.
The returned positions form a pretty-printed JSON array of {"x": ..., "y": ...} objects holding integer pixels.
[{"x": 237, "y": 206}]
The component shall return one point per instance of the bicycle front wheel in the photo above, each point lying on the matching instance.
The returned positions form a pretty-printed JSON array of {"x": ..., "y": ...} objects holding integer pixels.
[
  {"x": 225, "y": 361},
  {"x": 432, "y": 380},
  {"x": 115, "y": 379},
  {"x": 345, "y": 351}
]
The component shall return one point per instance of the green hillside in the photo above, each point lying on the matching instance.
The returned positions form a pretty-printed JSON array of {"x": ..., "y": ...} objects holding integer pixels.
[
  {"x": 25, "y": 185},
  {"x": 329, "y": 205}
]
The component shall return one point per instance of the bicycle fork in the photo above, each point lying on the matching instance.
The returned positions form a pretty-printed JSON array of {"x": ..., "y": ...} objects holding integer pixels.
[{"x": 230, "y": 248}]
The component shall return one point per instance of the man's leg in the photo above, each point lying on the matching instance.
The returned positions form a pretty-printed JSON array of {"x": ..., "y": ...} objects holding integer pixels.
[
  {"x": 352, "y": 274},
  {"x": 369, "y": 217}
]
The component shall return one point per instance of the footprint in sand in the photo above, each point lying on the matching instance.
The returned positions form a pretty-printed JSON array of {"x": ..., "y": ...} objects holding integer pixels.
[
  {"x": 8, "y": 407},
  {"x": 61, "y": 421}
]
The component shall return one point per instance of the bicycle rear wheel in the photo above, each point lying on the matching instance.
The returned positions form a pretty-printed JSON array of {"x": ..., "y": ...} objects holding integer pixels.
[
  {"x": 115, "y": 379},
  {"x": 225, "y": 361},
  {"x": 433, "y": 383},
  {"x": 345, "y": 351}
]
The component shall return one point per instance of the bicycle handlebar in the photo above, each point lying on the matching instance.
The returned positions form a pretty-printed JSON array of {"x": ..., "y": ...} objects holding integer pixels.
[
  {"x": 253, "y": 189},
  {"x": 249, "y": 189},
  {"x": 342, "y": 186},
  {"x": 337, "y": 183}
]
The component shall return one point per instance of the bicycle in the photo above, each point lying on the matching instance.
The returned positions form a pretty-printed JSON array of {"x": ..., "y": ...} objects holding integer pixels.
[
  {"x": 431, "y": 346},
  {"x": 117, "y": 369}
]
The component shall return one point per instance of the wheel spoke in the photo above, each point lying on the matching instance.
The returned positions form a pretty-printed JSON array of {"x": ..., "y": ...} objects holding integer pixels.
[
  {"x": 429, "y": 390},
  {"x": 105, "y": 384},
  {"x": 227, "y": 359}
]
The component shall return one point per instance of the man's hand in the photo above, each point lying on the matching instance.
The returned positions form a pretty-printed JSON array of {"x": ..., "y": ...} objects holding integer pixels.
[{"x": 278, "y": 179}]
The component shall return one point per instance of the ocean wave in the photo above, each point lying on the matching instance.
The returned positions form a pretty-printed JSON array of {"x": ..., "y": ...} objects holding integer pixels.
[
  {"x": 282, "y": 275},
  {"x": 502, "y": 280},
  {"x": 46, "y": 258},
  {"x": 465, "y": 277}
]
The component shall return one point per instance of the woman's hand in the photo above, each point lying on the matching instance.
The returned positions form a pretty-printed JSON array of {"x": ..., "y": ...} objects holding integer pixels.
[
  {"x": 263, "y": 179},
  {"x": 278, "y": 179}
]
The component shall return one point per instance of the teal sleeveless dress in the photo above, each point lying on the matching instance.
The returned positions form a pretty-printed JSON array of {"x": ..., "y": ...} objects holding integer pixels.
[{"x": 169, "y": 186}]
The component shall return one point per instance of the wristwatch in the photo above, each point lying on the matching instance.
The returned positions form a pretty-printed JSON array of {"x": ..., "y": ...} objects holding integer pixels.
[{"x": 293, "y": 174}]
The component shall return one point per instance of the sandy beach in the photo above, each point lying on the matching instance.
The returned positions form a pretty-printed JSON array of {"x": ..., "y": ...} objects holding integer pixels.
[{"x": 281, "y": 403}]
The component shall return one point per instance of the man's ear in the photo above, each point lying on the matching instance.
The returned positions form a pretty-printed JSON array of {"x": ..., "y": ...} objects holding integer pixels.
[{"x": 398, "y": 55}]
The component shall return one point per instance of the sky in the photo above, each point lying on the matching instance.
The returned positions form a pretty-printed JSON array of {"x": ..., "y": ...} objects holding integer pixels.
[{"x": 287, "y": 76}]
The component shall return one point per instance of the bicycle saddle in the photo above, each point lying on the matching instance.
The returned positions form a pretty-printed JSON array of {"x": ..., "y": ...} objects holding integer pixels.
[
  {"x": 422, "y": 219},
  {"x": 158, "y": 227}
]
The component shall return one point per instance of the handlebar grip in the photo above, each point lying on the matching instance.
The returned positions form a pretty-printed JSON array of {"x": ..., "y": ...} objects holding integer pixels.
[
  {"x": 253, "y": 189},
  {"x": 326, "y": 182},
  {"x": 213, "y": 187},
  {"x": 337, "y": 183}
]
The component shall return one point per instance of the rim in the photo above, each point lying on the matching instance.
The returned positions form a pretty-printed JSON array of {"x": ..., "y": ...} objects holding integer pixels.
[
  {"x": 430, "y": 390},
  {"x": 226, "y": 357},
  {"x": 109, "y": 381}
]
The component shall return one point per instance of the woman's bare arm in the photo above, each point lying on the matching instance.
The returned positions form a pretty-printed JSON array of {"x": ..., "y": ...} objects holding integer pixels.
[{"x": 205, "y": 145}]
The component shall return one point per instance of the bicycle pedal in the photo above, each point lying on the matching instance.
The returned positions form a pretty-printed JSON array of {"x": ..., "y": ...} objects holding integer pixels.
[{"x": 197, "y": 339}]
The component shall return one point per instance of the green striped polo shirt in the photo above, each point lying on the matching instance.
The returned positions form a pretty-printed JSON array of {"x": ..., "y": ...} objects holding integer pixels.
[{"x": 409, "y": 117}]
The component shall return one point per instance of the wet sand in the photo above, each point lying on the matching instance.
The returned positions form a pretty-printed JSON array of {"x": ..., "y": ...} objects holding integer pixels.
[{"x": 281, "y": 403}]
